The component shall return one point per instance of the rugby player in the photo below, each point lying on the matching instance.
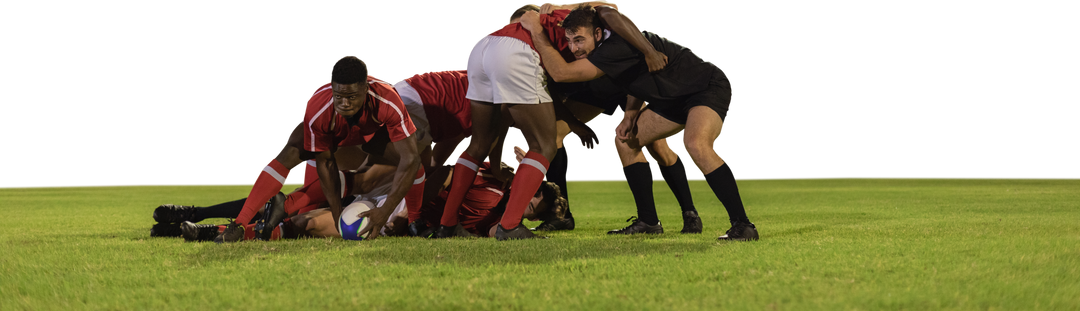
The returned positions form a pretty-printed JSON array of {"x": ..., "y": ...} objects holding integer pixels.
[
  {"x": 688, "y": 94},
  {"x": 505, "y": 73}
]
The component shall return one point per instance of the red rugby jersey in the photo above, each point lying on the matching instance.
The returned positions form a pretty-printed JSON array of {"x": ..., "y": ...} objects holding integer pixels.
[
  {"x": 323, "y": 126},
  {"x": 555, "y": 33},
  {"x": 448, "y": 111}
]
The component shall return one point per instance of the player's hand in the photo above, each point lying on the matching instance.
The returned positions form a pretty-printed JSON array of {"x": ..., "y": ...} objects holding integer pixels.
[
  {"x": 519, "y": 153},
  {"x": 531, "y": 22},
  {"x": 627, "y": 129},
  {"x": 656, "y": 61},
  {"x": 378, "y": 217},
  {"x": 588, "y": 137},
  {"x": 547, "y": 8}
]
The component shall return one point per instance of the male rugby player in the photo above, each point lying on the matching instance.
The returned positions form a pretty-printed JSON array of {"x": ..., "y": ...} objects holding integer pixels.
[
  {"x": 688, "y": 94},
  {"x": 504, "y": 70}
]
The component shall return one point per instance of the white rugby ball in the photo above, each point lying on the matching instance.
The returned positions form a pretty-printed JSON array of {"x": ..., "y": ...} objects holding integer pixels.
[{"x": 351, "y": 224}]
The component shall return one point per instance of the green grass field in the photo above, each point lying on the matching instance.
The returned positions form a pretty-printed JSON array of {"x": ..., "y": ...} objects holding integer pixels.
[{"x": 825, "y": 245}]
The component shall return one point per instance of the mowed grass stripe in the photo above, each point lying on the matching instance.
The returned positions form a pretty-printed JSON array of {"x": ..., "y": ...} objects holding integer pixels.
[{"x": 853, "y": 244}]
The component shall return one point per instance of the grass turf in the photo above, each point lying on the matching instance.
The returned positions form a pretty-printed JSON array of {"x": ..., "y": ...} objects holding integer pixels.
[{"x": 826, "y": 244}]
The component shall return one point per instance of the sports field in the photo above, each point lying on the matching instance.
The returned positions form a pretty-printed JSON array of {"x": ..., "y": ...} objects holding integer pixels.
[{"x": 858, "y": 244}]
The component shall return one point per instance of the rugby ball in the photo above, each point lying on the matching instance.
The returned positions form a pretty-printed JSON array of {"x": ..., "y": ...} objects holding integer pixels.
[{"x": 350, "y": 224}]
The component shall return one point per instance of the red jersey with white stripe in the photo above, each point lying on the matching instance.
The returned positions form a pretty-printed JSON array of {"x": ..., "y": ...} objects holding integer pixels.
[
  {"x": 550, "y": 22},
  {"x": 323, "y": 126},
  {"x": 475, "y": 212},
  {"x": 448, "y": 111}
]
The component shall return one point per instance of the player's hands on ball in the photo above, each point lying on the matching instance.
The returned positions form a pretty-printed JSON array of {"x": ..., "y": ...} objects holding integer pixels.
[{"x": 378, "y": 217}]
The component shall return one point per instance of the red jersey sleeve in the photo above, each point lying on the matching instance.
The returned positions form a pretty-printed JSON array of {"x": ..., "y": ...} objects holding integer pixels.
[{"x": 391, "y": 110}]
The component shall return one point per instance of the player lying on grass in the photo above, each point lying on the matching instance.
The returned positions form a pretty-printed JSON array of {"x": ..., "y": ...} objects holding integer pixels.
[{"x": 688, "y": 94}]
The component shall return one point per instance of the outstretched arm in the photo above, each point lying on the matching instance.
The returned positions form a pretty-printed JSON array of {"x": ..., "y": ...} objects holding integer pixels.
[{"x": 326, "y": 166}]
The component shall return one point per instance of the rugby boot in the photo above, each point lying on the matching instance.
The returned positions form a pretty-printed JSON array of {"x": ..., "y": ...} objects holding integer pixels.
[
  {"x": 740, "y": 231},
  {"x": 193, "y": 232},
  {"x": 556, "y": 225},
  {"x": 637, "y": 226},
  {"x": 272, "y": 215},
  {"x": 165, "y": 230},
  {"x": 421, "y": 229},
  {"x": 232, "y": 233},
  {"x": 691, "y": 222},
  {"x": 168, "y": 213},
  {"x": 455, "y": 231},
  {"x": 520, "y": 232}
]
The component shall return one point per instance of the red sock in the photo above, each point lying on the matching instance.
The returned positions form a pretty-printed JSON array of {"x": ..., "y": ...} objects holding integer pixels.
[
  {"x": 530, "y": 173},
  {"x": 307, "y": 198},
  {"x": 268, "y": 185},
  {"x": 464, "y": 175},
  {"x": 415, "y": 197}
]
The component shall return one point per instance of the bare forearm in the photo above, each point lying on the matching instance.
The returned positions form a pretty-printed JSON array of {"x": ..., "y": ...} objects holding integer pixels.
[
  {"x": 625, "y": 28},
  {"x": 331, "y": 185},
  {"x": 553, "y": 61}
]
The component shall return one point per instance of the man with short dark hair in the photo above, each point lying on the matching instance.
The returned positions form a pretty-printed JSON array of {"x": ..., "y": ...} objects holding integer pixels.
[{"x": 688, "y": 93}]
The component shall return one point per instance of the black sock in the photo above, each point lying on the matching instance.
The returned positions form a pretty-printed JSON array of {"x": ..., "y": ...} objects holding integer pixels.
[
  {"x": 722, "y": 182},
  {"x": 639, "y": 177},
  {"x": 224, "y": 210},
  {"x": 557, "y": 174},
  {"x": 675, "y": 176}
]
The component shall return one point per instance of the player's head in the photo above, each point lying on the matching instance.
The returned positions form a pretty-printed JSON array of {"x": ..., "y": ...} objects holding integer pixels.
[
  {"x": 517, "y": 14},
  {"x": 547, "y": 204},
  {"x": 583, "y": 30},
  {"x": 349, "y": 83}
]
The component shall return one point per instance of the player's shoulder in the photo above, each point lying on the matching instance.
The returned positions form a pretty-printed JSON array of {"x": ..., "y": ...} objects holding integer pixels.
[{"x": 321, "y": 96}]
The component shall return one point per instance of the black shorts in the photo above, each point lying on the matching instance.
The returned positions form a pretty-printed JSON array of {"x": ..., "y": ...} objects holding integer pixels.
[
  {"x": 601, "y": 93},
  {"x": 716, "y": 96}
]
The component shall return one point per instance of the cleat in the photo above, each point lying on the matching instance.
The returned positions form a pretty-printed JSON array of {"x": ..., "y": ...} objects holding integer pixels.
[
  {"x": 193, "y": 232},
  {"x": 165, "y": 230},
  {"x": 232, "y": 233},
  {"x": 449, "y": 232},
  {"x": 691, "y": 222},
  {"x": 273, "y": 213},
  {"x": 740, "y": 231},
  {"x": 637, "y": 226},
  {"x": 556, "y": 225},
  {"x": 421, "y": 229},
  {"x": 168, "y": 213},
  {"x": 518, "y": 233}
]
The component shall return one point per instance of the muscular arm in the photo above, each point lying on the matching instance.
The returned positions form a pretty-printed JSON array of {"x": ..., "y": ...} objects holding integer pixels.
[
  {"x": 624, "y": 27},
  {"x": 408, "y": 163},
  {"x": 442, "y": 151},
  {"x": 326, "y": 166},
  {"x": 559, "y": 70}
]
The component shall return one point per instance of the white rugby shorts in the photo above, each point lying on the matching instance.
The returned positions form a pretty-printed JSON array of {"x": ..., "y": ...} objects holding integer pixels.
[
  {"x": 505, "y": 70},
  {"x": 415, "y": 106}
]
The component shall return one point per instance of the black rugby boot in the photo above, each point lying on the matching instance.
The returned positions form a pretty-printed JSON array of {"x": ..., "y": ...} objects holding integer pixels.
[
  {"x": 691, "y": 222},
  {"x": 421, "y": 229},
  {"x": 165, "y": 230},
  {"x": 740, "y": 231},
  {"x": 168, "y": 213},
  {"x": 193, "y": 232},
  {"x": 272, "y": 215},
  {"x": 637, "y": 226},
  {"x": 233, "y": 233},
  {"x": 556, "y": 225},
  {"x": 518, "y": 233},
  {"x": 455, "y": 231}
]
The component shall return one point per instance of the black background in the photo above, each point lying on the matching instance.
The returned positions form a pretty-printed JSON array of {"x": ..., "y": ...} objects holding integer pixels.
[{"x": 210, "y": 96}]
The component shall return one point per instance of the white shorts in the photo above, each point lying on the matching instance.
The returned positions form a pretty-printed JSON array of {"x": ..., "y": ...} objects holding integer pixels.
[
  {"x": 505, "y": 70},
  {"x": 378, "y": 196},
  {"x": 415, "y": 106}
]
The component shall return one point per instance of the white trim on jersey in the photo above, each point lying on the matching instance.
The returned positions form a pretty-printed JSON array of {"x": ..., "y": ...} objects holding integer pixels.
[
  {"x": 469, "y": 164},
  {"x": 494, "y": 190},
  {"x": 273, "y": 173},
  {"x": 420, "y": 179},
  {"x": 342, "y": 176},
  {"x": 396, "y": 109},
  {"x": 536, "y": 164},
  {"x": 311, "y": 163},
  {"x": 316, "y": 117}
]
